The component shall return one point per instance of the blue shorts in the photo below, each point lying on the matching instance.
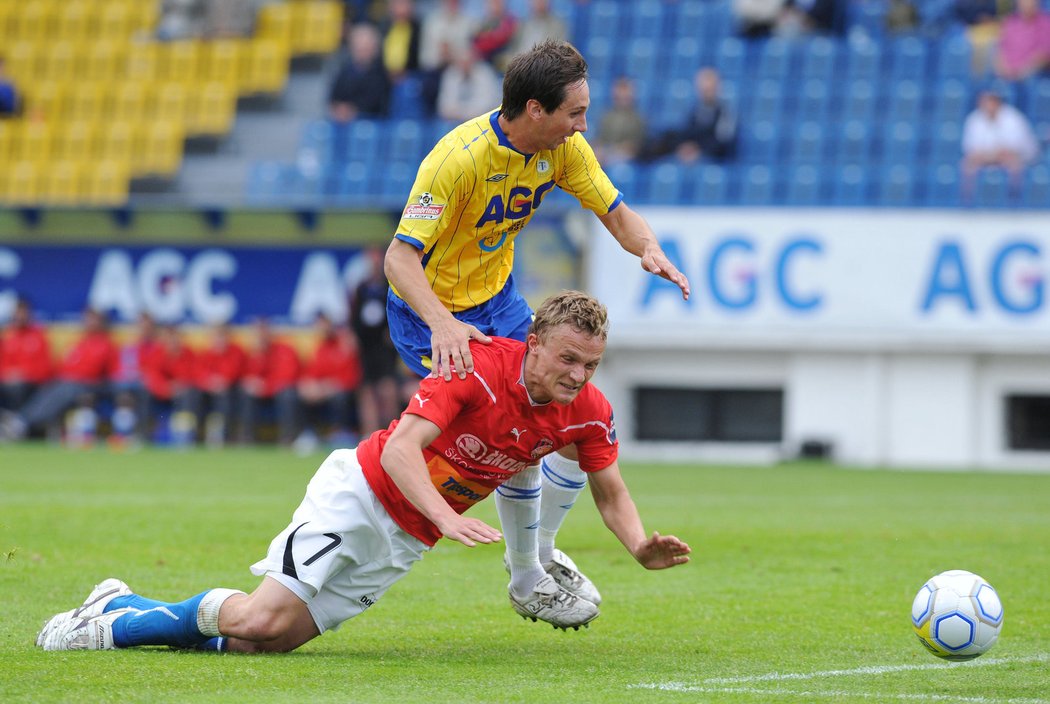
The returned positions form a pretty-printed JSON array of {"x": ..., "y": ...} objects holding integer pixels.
[{"x": 506, "y": 314}]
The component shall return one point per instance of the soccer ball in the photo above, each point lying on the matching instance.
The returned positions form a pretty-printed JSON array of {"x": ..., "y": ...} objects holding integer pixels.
[{"x": 957, "y": 615}]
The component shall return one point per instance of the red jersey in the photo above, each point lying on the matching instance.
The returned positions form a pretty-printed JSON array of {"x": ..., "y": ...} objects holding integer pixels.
[
  {"x": 164, "y": 370},
  {"x": 25, "y": 355},
  {"x": 218, "y": 369},
  {"x": 491, "y": 430},
  {"x": 91, "y": 360},
  {"x": 277, "y": 366},
  {"x": 336, "y": 361}
]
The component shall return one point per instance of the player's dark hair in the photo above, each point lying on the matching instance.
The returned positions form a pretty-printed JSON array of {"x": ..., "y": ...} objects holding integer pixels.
[
  {"x": 542, "y": 73},
  {"x": 574, "y": 308}
]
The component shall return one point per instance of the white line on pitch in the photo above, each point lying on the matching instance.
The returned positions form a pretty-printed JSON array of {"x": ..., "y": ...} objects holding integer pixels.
[{"x": 839, "y": 694}]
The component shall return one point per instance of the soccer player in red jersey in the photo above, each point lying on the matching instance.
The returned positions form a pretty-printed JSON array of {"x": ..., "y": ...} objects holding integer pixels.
[{"x": 370, "y": 513}]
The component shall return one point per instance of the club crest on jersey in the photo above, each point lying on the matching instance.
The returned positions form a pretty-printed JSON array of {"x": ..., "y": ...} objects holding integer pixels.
[
  {"x": 496, "y": 178},
  {"x": 542, "y": 166},
  {"x": 423, "y": 209},
  {"x": 471, "y": 446},
  {"x": 543, "y": 447}
]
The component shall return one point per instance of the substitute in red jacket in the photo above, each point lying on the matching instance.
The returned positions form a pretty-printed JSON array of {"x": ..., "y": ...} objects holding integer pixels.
[
  {"x": 216, "y": 374},
  {"x": 25, "y": 357},
  {"x": 81, "y": 376},
  {"x": 270, "y": 374},
  {"x": 326, "y": 387}
]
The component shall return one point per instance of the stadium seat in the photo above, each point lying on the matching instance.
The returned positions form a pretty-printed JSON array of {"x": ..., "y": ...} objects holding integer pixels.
[
  {"x": 316, "y": 26},
  {"x": 600, "y": 61},
  {"x": 955, "y": 57},
  {"x": 606, "y": 16},
  {"x": 766, "y": 100},
  {"x": 852, "y": 142},
  {"x": 942, "y": 186},
  {"x": 179, "y": 61},
  {"x": 952, "y": 100},
  {"x": 266, "y": 180},
  {"x": 804, "y": 186},
  {"x": 363, "y": 141},
  {"x": 645, "y": 18},
  {"x": 395, "y": 183},
  {"x": 850, "y": 186},
  {"x": 775, "y": 59},
  {"x": 900, "y": 143},
  {"x": 75, "y": 22},
  {"x": 58, "y": 63},
  {"x": 709, "y": 185},
  {"x": 222, "y": 60},
  {"x": 731, "y": 58},
  {"x": 677, "y": 98},
  {"x": 896, "y": 186},
  {"x": 624, "y": 176},
  {"x": 1036, "y": 189},
  {"x": 120, "y": 140},
  {"x": 813, "y": 101},
  {"x": 863, "y": 60},
  {"x": 32, "y": 142},
  {"x": 908, "y": 56},
  {"x": 61, "y": 183},
  {"x": 274, "y": 21},
  {"x": 945, "y": 143},
  {"x": 105, "y": 61},
  {"x": 819, "y": 59},
  {"x": 641, "y": 61},
  {"x": 106, "y": 183},
  {"x": 906, "y": 102},
  {"x": 807, "y": 143},
  {"x": 759, "y": 142},
  {"x": 406, "y": 99},
  {"x": 756, "y": 186},
  {"x": 664, "y": 185},
  {"x": 77, "y": 140},
  {"x": 22, "y": 183},
  {"x": 130, "y": 101},
  {"x": 266, "y": 68},
  {"x": 211, "y": 109},
  {"x": 162, "y": 149},
  {"x": 355, "y": 183},
  {"x": 685, "y": 57},
  {"x": 48, "y": 100},
  {"x": 405, "y": 141},
  {"x": 142, "y": 62},
  {"x": 993, "y": 189}
]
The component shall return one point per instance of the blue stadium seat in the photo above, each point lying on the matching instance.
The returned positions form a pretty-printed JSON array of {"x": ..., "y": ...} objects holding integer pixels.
[
  {"x": 896, "y": 186},
  {"x": 952, "y": 101},
  {"x": 757, "y": 186},
  {"x": 955, "y": 57},
  {"x": 900, "y": 143},
  {"x": 804, "y": 186},
  {"x": 813, "y": 101},
  {"x": 355, "y": 183},
  {"x": 992, "y": 190},
  {"x": 317, "y": 135},
  {"x": 1037, "y": 102},
  {"x": 664, "y": 184},
  {"x": 405, "y": 140},
  {"x": 908, "y": 56},
  {"x": 759, "y": 142},
  {"x": 807, "y": 143},
  {"x": 1036, "y": 189},
  {"x": 820, "y": 59},
  {"x": 600, "y": 58},
  {"x": 685, "y": 57},
  {"x": 406, "y": 99},
  {"x": 945, "y": 143},
  {"x": 731, "y": 58},
  {"x": 645, "y": 18},
  {"x": 775, "y": 58},
  {"x": 267, "y": 180},
  {"x": 942, "y": 186},
  {"x": 859, "y": 101},
  {"x": 640, "y": 61},
  {"x": 395, "y": 183},
  {"x": 676, "y": 101},
  {"x": 606, "y": 19},
  {"x": 625, "y": 176},
  {"x": 709, "y": 185},
  {"x": 853, "y": 142},
  {"x": 363, "y": 141},
  {"x": 906, "y": 101},
  {"x": 864, "y": 60},
  {"x": 766, "y": 100},
  {"x": 851, "y": 185}
]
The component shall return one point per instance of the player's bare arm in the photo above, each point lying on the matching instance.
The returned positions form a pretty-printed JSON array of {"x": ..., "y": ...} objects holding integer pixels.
[
  {"x": 655, "y": 552},
  {"x": 634, "y": 234},
  {"x": 403, "y": 460},
  {"x": 449, "y": 337}
]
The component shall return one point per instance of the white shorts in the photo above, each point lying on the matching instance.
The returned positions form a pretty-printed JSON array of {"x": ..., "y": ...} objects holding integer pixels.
[{"x": 342, "y": 550}]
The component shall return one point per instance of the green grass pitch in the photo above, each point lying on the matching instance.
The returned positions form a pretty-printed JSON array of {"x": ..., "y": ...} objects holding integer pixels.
[{"x": 799, "y": 588}]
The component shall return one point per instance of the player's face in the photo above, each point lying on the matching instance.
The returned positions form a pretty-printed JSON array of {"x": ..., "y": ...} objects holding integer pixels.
[
  {"x": 569, "y": 118},
  {"x": 557, "y": 368}
]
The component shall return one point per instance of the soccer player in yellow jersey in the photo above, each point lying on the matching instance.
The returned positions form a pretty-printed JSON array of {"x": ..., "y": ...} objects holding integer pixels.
[{"x": 450, "y": 266}]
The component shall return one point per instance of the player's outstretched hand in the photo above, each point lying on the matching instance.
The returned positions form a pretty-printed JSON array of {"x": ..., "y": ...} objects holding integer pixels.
[
  {"x": 662, "y": 551},
  {"x": 656, "y": 262},
  {"x": 450, "y": 348},
  {"x": 469, "y": 531}
]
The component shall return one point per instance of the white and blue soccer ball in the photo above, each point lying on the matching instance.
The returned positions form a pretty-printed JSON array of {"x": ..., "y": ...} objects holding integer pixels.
[{"x": 957, "y": 615}]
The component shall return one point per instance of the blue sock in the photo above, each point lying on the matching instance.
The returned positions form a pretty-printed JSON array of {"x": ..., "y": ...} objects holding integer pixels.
[
  {"x": 216, "y": 645},
  {"x": 167, "y": 624},
  {"x": 133, "y": 601}
]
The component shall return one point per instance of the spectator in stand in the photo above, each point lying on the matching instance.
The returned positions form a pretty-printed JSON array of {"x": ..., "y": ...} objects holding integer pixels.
[
  {"x": 127, "y": 385},
  {"x": 983, "y": 21},
  {"x": 758, "y": 18},
  {"x": 469, "y": 87},
  {"x": 230, "y": 18},
  {"x": 445, "y": 31},
  {"x": 180, "y": 19},
  {"x": 378, "y": 400},
  {"x": 709, "y": 130},
  {"x": 809, "y": 16},
  {"x": 9, "y": 101},
  {"x": 80, "y": 377},
  {"x": 495, "y": 33},
  {"x": 270, "y": 374},
  {"x": 1024, "y": 43},
  {"x": 902, "y": 17},
  {"x": 539, "y": 25},
  {"x": 25, "y": 358},
  {"x": 622, "y": 129},
  {"x": 996, "y": 135},
  {"x": 216, "y": 374},
  {"x": 401, "y": 35},
  {"x": 327, "y": 383},
  {"x": 362, "y": 87},
  {"x": 166, "y": 373}
]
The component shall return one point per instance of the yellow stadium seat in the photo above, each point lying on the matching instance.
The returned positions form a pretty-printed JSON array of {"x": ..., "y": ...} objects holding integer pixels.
[
  {"x": 47, "y": 101},
  {"x": 58, "y": 62},
  {"x": 212, "y": 109},
  {"x": 105, "y": 61},
  {"x": 120, "y": 141},
  {"x": 274, "y": 21},
  {"x": 7, "y": 33},
  {"x": 143, "y": 16},
  {"x": 169, "y": 103},
  {"x": 221, "y": 60},
  {"x": 162, "y": 147},
  {"x": 88, "y": 101},
  {"x": 77, "y": 140},
  {"x": 7, "y": 127},
  {"x": 107, "y": 182},
  {"x": 266, "y": 67},
  {"x": 61, "y": 183},
  {"x": 142, "y": 63},
  {"x": 22, "y": 183},
  {"x": 32, "y": 142},
  {"x": 178, "y": 61},
  {"x": 35, "y": 20},
  {"x": 316, "y": 26},
  {"x": 129, "y": 101},
  {"x": 22, "y": 58},
  {"x": 116, "y": 21},
  {"x": 76, "y": 22}
]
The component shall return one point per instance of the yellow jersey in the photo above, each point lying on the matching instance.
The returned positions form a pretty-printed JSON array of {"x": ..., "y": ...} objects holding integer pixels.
[{"x": 473, "y": 194}]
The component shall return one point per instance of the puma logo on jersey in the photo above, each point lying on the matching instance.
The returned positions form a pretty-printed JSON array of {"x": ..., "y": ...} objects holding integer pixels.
[
  {"x": 518, "y": 433},
  {"x": 421, "y": 400}
]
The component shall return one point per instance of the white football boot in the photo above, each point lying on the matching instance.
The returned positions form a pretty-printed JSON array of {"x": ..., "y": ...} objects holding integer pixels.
[
  {"x": 569, "y": 577},
  {"x": 95, "y": 603},
  {"x": 551, "y": 603},
  {"x": 78, "y": 633}
]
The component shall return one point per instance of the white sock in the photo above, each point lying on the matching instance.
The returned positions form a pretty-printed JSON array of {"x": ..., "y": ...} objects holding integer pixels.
[
  {"x": 208, "y": 610},
  {"x": 563, "y": 480},
  {"x": 518, "y": 505}
]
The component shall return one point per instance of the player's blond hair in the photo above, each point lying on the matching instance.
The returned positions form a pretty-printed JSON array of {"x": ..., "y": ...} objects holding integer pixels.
[{"x": 575, "y": 309}]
